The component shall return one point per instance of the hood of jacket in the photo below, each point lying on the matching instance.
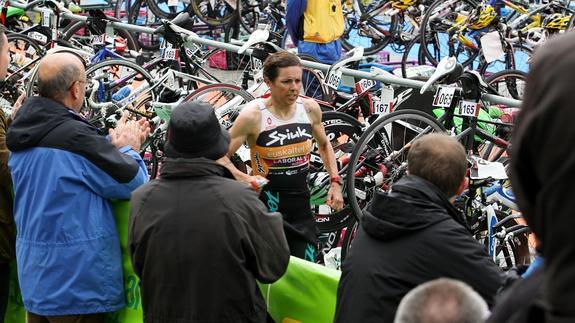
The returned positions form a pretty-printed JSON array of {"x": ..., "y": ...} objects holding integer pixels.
[
  {"x": 174, "y": 168},
  {"x": 36, "y": 118},
  {"x": 412, "y": 205}
]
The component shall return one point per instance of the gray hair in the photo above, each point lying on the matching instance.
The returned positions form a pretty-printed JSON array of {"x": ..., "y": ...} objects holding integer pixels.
[
  {"x": 442, "y": 301},
  {"x": 58, "y": 85}
]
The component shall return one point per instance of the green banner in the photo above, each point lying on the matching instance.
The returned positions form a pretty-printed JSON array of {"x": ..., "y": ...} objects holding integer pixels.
[
  {"x": 132, "y": 313},
  {"x": 15, "y": 311},
  {"x": 306, "y": 293}
]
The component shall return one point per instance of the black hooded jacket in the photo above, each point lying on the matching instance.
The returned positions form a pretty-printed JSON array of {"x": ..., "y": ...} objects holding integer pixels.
[
  {"x": 199, "y": 240},
  {"x": 408, "y": 237},
  {"x": 543, "y": 168}
]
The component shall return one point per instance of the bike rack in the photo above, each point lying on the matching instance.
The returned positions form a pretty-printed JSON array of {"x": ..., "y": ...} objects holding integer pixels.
[{"x": 324, "y": 67}]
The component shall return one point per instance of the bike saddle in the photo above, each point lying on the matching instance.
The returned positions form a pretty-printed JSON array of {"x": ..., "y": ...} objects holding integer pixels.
[
  {"x": 182, "y": 24},
  {"x": 183, "y": 20},
  {"x": 448, "y": 71},
  {"x": 267, "y": 49},
  {"x": 258, "y": 36},
  {"x": 353, "y": 55}
]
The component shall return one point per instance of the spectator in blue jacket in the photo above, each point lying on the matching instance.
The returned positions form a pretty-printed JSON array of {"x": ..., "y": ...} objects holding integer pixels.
[{"x": 64, "y": 174}]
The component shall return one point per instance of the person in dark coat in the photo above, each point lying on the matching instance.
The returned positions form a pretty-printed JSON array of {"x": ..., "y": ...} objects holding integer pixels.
[
  {"x": 413, "y": 235},
  {"x": 542, "y": 172},
  {"x": 200, "y": 240}
]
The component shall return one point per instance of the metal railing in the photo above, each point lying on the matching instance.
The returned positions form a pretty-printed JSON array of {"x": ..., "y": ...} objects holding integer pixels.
[{"x": 234, "y": 48}]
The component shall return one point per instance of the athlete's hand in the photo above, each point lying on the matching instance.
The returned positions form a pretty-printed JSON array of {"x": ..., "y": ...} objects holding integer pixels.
[
  {"x": 258, "y": 182},
  {"x": 335, "y": 197}
]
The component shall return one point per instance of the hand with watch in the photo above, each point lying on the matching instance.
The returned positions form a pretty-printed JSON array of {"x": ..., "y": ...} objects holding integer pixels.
[{"x": 334, "y": 195}]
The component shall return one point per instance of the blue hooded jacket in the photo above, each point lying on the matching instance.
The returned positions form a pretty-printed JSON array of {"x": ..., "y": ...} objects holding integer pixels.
[{"x": 64, "y": 174}]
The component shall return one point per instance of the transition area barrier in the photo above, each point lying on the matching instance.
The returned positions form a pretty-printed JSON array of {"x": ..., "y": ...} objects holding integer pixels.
[
  {"x": 306, "y": 293},
  {"x": 385, "y": 78}
]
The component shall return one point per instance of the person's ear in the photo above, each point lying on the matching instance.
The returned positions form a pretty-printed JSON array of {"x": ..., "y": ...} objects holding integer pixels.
[{"x": 76, "y": 90}]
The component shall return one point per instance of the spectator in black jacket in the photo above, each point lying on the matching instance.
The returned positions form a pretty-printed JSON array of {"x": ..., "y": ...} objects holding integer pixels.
[
  {"x": 542, "y": 172},
  {"x": 413, "y": 235},
  {"x": 199, "y": 240}
]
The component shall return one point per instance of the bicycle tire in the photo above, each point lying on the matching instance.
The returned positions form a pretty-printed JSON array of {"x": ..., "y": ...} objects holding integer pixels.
[
  {"x": 342, "y": 131},
  {"x": 431, "y": 38},
  {"x": 512, "y": 80},
  {"x": 208, "y": 15},
  {"x": 352, "y": 37},
  {"x": 173, "y": 11},
  {"x": 421, "y": 59},
  {"x": 381, "y": 136},
  {"x": 517, "y": 57},
  {"x": 150, "y": 42},
  {"x": 71, "y": 31},
  {"x": 218, "y": 96},
  {"x": 110, "y": 87},
  {"x": 313, "y": 85},
  {"x": 23, "y": 50},
  {"x": 348, "y": 239},
  {"x": 226, "y": 67}
]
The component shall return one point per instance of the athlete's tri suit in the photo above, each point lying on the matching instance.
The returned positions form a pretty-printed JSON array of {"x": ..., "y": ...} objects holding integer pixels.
[{"x": 281, "y": 154}]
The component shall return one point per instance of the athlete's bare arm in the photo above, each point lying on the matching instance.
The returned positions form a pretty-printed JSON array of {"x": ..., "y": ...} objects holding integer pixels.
[
  {"x": 325, "y": 150},
  {"x": 245, "y": 128}
]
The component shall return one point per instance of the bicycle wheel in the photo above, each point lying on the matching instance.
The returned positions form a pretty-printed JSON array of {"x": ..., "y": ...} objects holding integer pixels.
[
  {"x": 227, "y": 67},
  {"x": 140, "y": 14},
  {"x": 24, "y": 55},
  {"x": 162, "y": 9},
  {"x": 77, "y": 33},
  {"x": 227, "y": 100},
  {"x": 121, "y": 8},
  {"x": 122, "y": 82},
  {"x": 517, "y": 57},
  {"x": 312, "y": 82},
  {"x": 412, "y": 56},
  {"x": 508, "y": 83},
  {"x": 368, "y": 31},
  {"x": 380, "y": 156},
  {"x": 436, "y": 38},
  {"x": 343, "y": 131},
  {"x": 217, "y": 12}
]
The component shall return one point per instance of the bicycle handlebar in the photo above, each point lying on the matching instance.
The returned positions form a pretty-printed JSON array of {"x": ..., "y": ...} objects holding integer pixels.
[{"x": 55, "y": 5}]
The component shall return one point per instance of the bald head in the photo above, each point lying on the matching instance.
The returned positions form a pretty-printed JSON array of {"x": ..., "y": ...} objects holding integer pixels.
[
  {"x": 57, "y": 74},
  {"x": 442, "y": 301},
  {"x": 439, "y": 159}
]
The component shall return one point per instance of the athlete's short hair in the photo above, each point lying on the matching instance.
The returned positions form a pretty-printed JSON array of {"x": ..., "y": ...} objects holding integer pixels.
[{"x": 279, "y": 60}]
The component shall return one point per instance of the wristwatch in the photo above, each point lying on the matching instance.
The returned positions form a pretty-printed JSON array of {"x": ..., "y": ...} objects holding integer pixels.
[{"x": 336, "y": 179}]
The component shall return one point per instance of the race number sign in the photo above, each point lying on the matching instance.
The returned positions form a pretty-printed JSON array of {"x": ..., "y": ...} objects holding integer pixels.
[
  {"x": 469, "y": 108},
  {"x": 333, "y": 79},
  {"x": 443, "y": 97},
  {"x": 365, "y": 84},
  {"x": 385, "y": 103}
]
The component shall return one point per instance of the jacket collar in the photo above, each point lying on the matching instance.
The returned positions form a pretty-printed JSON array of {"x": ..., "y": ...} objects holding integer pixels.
[
  {"x": 413, "y": 205},
  {"x": 192, "y": 167}
]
